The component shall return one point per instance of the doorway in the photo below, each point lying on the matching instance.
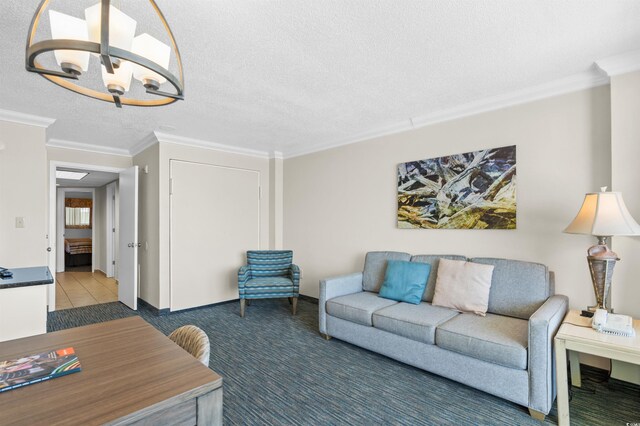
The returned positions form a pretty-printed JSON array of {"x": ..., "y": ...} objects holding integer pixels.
[{"x": 84, "y": 228}]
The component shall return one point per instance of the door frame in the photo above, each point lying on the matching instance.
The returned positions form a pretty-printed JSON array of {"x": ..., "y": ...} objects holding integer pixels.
[{"x": 53, "y": 231}]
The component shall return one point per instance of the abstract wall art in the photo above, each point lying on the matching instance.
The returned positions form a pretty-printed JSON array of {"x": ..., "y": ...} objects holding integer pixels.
[{"x": 473, "y": 190}]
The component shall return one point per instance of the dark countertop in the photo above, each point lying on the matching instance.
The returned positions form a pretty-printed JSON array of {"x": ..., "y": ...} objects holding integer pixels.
[{"x": 23, "y": 277}]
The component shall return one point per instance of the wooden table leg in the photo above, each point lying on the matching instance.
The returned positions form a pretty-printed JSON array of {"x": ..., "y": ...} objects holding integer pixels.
[
  {"x": 562, "y": 383},
  {"x": 574, "y": 365}
]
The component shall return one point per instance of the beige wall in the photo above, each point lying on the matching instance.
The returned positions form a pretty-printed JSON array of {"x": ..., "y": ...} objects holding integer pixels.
[
  {"x": 90, "y": 158},
  {"x": 155, "y": 262},
  {"x": 23, "y": 193},
  {"x": 341, "y": 203},
  {"x": 276, "y": 166},
  {"x": 625, "y": 148}
]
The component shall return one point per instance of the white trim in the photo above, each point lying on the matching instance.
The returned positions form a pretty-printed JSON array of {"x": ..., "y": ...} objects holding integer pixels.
[
  {"x": 145, "y": 143},
  {"x": 79, "y": 146},
  {"x": 22, "y": 118},
  {"x": 276, "y": 155},
  {"x": 620, "y": 64},
  {"x": 573, "y": 83},
  {"x": 198, "y": 143}
]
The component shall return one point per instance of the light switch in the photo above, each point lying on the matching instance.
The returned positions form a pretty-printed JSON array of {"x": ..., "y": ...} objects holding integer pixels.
[{"x": 19, "y": 222}]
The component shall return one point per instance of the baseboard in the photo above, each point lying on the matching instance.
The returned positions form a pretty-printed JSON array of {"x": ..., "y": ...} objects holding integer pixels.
[
  {"x": 310, "y": 299},
  {"x": 205, "y": 306},
  {"x": 167, "y": 311},
  {"x": 156, "y": 311}
]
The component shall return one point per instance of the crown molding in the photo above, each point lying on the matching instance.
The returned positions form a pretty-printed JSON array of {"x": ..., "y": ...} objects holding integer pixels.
[
  {"x": 145, "y": 143},
  {"x": 581, "y": 81},
  {"x": 277, "y": 155},
  {"x": 620, "y": 64},
  {"x": 198, "y": 143},
  {"x": 78, "y": 146},
  {"x": 371, "y": 134},
  {"x": 22, "y": 118}
]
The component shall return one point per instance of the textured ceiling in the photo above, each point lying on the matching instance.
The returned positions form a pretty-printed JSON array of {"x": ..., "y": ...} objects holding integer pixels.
[{"x": 296, "y": 75}]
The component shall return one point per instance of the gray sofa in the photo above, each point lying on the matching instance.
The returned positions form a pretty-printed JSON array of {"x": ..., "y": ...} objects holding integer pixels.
[{"x": 507, "y": 353}]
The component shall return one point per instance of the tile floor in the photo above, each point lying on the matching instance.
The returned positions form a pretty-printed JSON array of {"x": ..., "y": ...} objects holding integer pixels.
[{"x": 75, "y": 289}]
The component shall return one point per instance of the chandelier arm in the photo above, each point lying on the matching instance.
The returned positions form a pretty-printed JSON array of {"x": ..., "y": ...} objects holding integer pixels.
[
  {"x": 104, "y": 37},
  {"x": 167, "y": 94},
  {"x": 92, "y": 47},
  {"x": 173, "y": 42}
]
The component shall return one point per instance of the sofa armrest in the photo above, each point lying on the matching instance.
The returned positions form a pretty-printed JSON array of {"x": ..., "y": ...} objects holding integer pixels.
[
  {"x": 244, "y": 275},
  {"x": 543, "y": 326},
  {"x": 294, "y": 275},
  {"x": 334, "y": 287}
]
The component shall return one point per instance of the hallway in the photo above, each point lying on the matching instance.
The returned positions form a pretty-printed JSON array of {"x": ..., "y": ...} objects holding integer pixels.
[{"x": 74, "y": 289}]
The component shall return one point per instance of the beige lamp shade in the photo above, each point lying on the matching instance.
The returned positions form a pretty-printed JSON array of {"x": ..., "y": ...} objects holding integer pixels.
[{"x": 603, "y": 214}]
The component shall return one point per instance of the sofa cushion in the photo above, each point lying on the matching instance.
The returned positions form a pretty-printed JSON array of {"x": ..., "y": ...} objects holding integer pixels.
[
  {"x": 415, "y": 322},
  {"x": 405, "y": 281},
  {"x": 518, "y": 288},
  {"x": 493, "y": 338},
  {"x": 463, "y": 286},
  {"x": 375, "y": 265},
  {"x": 357, "y": 307},
  {"x": 433, "y": 260}
]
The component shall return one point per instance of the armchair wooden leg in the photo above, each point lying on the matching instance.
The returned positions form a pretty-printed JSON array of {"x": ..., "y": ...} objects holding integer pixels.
[
  {"x": 326, "y": 336},
  {"x": 294, "y": 304},
  {"x": 248, "y": 302},
  {"x": 242, "y": 303},
  {"x": 536, "y": 414}
]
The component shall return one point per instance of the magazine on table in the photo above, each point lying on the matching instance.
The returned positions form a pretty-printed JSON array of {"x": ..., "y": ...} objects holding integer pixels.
[{"x": 15, "y": 373}]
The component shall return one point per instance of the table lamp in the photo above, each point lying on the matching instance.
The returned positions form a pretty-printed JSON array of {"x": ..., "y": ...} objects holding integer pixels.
[{"x": 603, "y": 214}]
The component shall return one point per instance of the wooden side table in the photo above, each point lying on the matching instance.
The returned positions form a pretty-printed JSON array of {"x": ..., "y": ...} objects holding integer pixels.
[{"x": 576, "y": 335}]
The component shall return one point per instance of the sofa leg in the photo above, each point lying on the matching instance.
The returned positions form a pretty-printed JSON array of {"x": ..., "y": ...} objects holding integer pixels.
[
  {"x": 242, "y": 303},
  {"x": 326, "y": 336},
  {"x": 294, "y": 304},
  {"x": 536, "y": 414},
  {"x": 248, "y": 302}
]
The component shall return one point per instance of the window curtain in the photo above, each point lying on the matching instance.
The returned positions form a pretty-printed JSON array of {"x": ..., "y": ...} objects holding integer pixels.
[{"x": 77, "y": 212}]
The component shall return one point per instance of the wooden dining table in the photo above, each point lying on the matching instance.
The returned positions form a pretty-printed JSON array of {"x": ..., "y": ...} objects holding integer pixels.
[{"x": 131, "y": 373}]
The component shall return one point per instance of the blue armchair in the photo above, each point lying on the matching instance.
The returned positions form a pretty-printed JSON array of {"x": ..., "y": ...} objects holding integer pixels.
[{"x": 269, "y": 274}]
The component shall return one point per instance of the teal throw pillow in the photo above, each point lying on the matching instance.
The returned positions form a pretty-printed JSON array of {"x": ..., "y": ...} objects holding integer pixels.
[{"x": 405, "y": 281}]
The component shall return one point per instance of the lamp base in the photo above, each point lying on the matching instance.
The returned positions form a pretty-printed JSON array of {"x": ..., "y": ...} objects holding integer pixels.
[{"x": 601, "y": 262}]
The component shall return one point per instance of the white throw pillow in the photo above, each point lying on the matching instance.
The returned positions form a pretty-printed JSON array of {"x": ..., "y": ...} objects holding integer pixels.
[{"x": 463, "y": 286}]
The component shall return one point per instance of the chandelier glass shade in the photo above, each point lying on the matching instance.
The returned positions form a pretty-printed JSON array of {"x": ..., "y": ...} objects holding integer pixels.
[{"x": 107, "y": 35}]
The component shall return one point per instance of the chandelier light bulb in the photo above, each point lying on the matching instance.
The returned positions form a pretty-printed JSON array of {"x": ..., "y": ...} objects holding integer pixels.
[
  {"x": 154, "y": 50},
  {"x": 122, "y": 28},
  {"x": 68, "y": 27}
]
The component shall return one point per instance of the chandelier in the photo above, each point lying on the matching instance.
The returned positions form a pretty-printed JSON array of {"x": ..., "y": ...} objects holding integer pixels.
[{"x": 109, "y": 36}]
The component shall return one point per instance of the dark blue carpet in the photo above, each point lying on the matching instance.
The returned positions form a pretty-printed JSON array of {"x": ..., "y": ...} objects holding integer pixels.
[{"x": 278, "y": 370}]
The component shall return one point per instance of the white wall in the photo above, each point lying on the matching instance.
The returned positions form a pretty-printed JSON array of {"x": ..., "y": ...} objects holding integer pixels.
[
  {"x": 23, "y": 193},
  {"x": 154, "y": 197},
  {"x": 341, "y": 203}
]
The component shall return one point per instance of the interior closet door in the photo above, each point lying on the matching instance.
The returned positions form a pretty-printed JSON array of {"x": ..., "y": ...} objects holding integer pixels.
[{"x": 215, "y": 219}]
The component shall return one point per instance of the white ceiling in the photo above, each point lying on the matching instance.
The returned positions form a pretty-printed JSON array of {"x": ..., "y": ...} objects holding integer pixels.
[{"x": 298, "y": 75}]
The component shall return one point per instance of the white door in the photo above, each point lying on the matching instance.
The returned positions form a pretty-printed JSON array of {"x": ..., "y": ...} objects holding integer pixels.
[
  {"x": 215, "y": 219},
  {"x": 128, "y": 241},
  {"x": 111, "y": 229}
]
